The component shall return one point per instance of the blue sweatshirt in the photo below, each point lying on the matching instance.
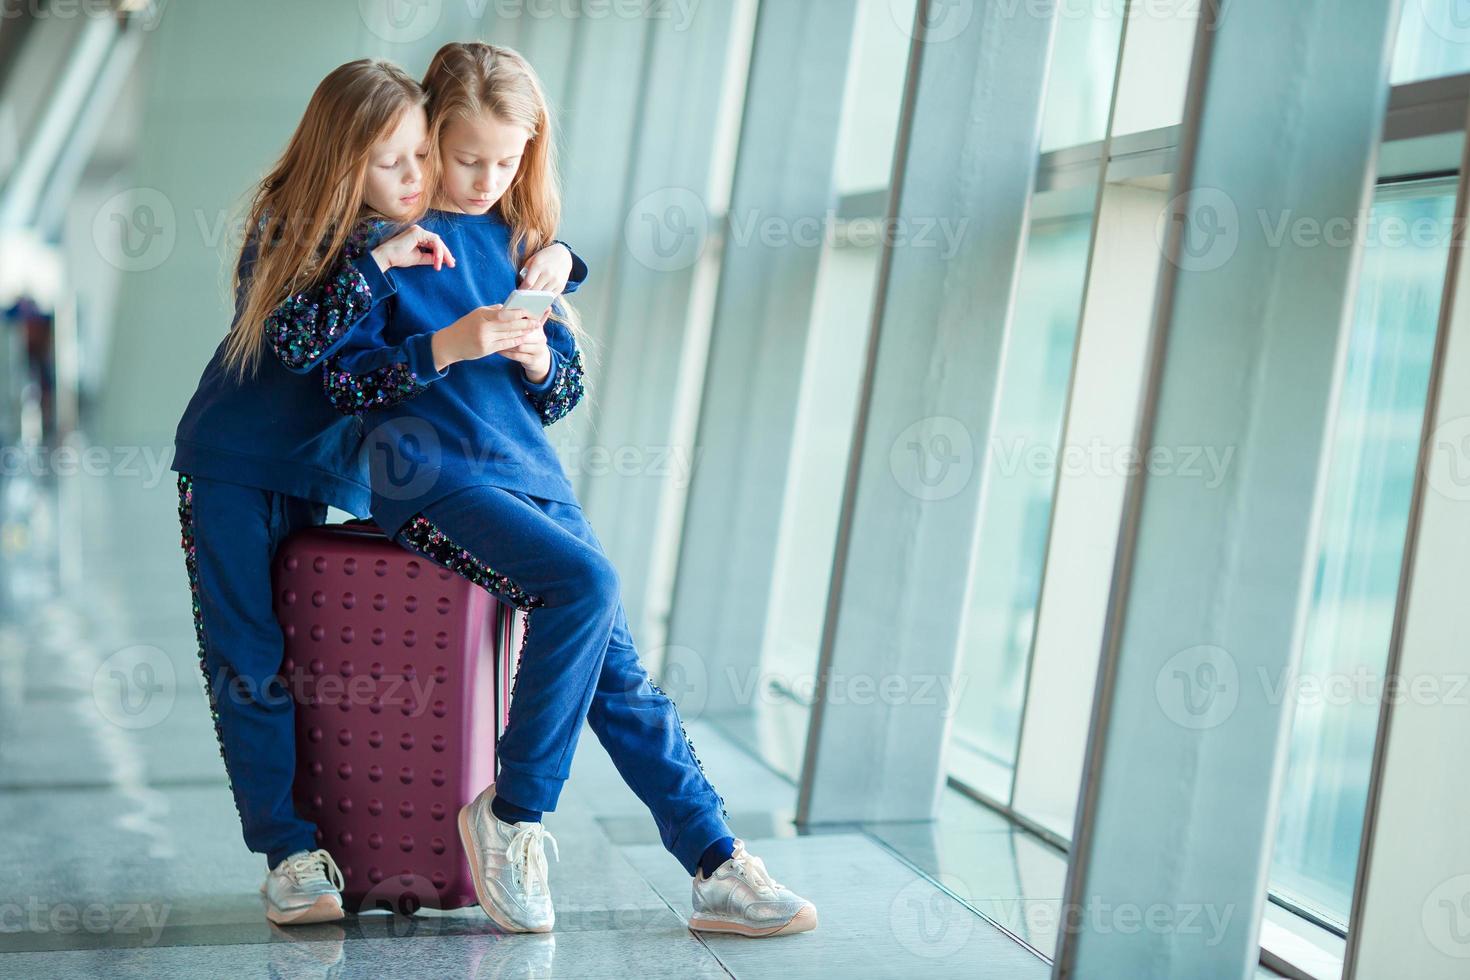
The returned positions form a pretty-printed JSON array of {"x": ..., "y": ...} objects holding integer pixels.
[
  {"x": 477, "y": 423},
  {"x": 274, "y": 430}
]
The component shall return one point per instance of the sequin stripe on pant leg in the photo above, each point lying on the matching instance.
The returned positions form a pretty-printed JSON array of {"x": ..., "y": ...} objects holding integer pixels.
[
  {"x": 191, "y": 565},
  {"x": 425, "y": 537},
  {"x": 690, "y": 743},
  {"x": 525, "y": 634}
]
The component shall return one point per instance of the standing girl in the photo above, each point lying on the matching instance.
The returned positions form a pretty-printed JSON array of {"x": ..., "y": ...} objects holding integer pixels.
[
  {"x": 489, "y": 499},
  {"x": 260, "y": 454}
]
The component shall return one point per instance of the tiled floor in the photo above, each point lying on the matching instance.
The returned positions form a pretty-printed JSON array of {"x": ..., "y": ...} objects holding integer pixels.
[{"x": 123, "y": 857}]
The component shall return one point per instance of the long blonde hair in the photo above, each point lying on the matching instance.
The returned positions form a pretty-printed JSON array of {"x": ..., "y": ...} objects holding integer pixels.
[
  {"x": 472, "y": 79},
  {"x": 302, "y": 212}
]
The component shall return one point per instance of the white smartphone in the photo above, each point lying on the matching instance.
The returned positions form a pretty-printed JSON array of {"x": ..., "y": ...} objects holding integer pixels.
[{"x": 533, "y": 301}]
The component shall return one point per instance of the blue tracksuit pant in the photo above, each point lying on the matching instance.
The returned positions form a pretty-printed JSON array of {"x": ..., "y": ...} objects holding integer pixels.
[
  {"x": 230, "y": 535},
  {"x": 577, "y": 661}
]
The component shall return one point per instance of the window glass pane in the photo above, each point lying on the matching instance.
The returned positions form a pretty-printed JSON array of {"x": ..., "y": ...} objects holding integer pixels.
[
  {"x": 1370, "y": 478},
  {"x": 1433, "y": 40},
  {"x": 841, "y": 317},
  {"x": 880, "y": 55},
  {"x": 1016, "y": 502},
  {"x": 1079, "y": 85},
  {"x": 1155, "y": 73}
]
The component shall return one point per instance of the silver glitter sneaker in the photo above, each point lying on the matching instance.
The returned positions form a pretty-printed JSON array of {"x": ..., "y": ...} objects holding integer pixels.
[
  {"x": 305, "y": 887},
  {"x": 742, "y": 897},
  {"x": 508, "y": 862}
]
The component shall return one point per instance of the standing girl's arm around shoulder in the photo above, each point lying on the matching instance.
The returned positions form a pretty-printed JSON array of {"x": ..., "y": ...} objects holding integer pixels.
[{"x": 311, "y": 324}]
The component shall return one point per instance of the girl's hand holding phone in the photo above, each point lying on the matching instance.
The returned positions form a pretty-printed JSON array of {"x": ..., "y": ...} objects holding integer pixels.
[
  {"x": 413, "y": 246},
  {"x": 487, "y": 330}
]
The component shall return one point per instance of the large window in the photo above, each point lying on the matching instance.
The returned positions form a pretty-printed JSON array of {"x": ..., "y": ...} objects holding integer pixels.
[
  {"x": 1433, "y": 40},
  {"x": 1016, "y": 502},
  {"x": 1370, "y": 477}
]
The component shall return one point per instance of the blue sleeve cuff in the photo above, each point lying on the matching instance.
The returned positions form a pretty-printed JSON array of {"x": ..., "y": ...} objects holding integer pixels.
[
  {"x": 549, "y": 380},
  {"x": 579, "y": 269},
  {"x": 419, "y": 353}
]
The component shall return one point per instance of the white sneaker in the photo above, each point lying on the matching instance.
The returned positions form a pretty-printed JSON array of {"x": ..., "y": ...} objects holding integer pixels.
[
  {"x": 742, "y": 897},
  {"x": 305, "y": 887},
  {"x": 508, "y": 862}
]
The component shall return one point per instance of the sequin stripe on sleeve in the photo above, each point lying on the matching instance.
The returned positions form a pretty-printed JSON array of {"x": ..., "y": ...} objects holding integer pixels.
[
  {"x": 379, "y": 388},
  {"x": 564, "y": 393},
  {"x": 191, "y": 566},
  {"x": 308, "y": 322}
]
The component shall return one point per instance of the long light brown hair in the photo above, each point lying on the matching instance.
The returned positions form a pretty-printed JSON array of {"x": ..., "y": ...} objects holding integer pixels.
[
  {"x": 473, "y": 79},
  {"x": 302, "y": 212}
]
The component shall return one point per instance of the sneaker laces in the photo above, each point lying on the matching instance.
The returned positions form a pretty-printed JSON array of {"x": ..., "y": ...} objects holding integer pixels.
[
  {"x": 310, "y": 867},
  {"x": 752, "y": 870},
  {"x": 525, "y": 856}
]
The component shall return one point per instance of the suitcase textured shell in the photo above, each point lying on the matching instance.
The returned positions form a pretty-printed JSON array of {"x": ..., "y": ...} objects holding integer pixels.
[{"x": 399, "y": 669}]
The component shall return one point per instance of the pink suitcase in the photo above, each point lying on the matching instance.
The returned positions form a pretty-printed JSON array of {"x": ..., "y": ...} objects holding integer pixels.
[{"x": 401, "y": 671}]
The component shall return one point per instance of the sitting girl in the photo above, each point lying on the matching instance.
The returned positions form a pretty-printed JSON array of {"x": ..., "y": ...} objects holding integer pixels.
[
  {"x": 470, "y": 480},
  {"x": 260, "y": 454}
]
